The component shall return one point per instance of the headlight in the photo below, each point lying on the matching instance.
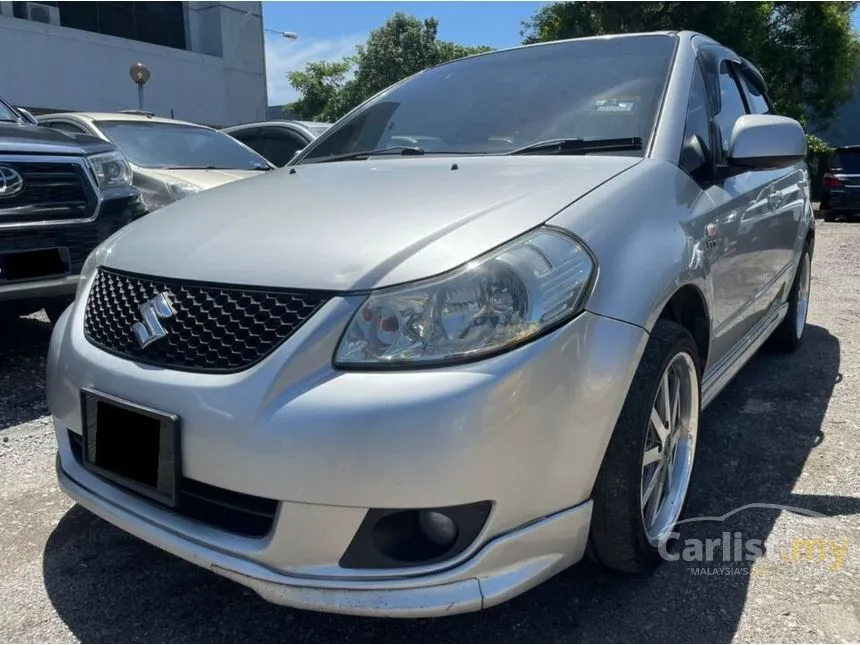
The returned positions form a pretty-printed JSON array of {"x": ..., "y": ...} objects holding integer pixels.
[
  {"x": 494, "y": 303},
  {"x": 181, "y": 189},
  {"x": 111, "y": 169}
]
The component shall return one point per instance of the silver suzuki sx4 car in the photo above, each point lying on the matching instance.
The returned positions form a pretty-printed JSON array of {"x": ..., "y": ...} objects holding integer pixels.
[{"x": 462, "y": 338}]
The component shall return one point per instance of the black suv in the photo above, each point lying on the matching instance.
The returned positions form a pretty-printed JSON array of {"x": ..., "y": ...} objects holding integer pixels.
[
  {"x": 840, "y": 189},
  {"x": 60, "y": 196}
]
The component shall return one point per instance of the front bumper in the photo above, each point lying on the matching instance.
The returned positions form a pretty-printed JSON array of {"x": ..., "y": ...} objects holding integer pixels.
[
  {"x": 118, "y": 207},
  {"x": 525, "y": 430}
]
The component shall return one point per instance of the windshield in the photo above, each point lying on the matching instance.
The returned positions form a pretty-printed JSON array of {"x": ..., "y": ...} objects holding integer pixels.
[
  {"x": 495, "y": 103},
  {"x": 7, "y": 113},
  {"x": 169, "y": 145}
]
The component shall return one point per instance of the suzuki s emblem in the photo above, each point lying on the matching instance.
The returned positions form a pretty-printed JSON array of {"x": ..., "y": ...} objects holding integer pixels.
[
  {"x": 153, "y": 312},
  {"x": 11, "y": 182}
]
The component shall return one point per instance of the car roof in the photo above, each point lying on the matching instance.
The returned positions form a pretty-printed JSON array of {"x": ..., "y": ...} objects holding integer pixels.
[
  {"x": 119, "y": 116},
  {"x": 277, "y": 122}
]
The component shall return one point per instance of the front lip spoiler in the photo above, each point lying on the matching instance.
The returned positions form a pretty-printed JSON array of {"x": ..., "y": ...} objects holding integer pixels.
[{"x": 505, "y": 567}]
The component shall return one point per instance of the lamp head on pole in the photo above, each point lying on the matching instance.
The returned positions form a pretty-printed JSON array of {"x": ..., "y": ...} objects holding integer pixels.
[{"x": 139, "y": 73}]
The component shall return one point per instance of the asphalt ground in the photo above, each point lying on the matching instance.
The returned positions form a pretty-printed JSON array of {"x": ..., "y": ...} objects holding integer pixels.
[{"x": 785, "y": 433}]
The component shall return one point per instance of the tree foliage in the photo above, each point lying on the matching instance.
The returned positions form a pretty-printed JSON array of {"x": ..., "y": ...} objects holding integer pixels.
[
  {"x": 403, "y": 46},
  {"x": 807, "y": 51}
]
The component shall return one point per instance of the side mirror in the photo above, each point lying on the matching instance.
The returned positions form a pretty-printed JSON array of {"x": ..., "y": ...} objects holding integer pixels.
[
  {"x": 29, "y": 118},
  {"x": 766, "y": 142}
]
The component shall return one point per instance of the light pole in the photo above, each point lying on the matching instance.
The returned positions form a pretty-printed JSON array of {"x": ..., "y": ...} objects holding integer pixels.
[
  {"x": 140, "y": 75},
  {"x": 289, "y": 35}
]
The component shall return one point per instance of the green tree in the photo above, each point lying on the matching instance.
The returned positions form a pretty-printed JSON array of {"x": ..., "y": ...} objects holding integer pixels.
[
  {"x": 807, "y": 50},
  {"x": 403, "y": 46},
  {"x": 320, "y": 83}
]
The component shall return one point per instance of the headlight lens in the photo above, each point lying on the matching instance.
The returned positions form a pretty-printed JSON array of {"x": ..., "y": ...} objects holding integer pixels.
[
  {"x": 493, "y": 303},
  {"x": 111, "y": 169},
  {"x": 181, "y": 189}
]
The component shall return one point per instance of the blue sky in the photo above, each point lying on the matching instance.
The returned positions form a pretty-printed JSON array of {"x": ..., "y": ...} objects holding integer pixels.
[{"x": 331, "y": 30}]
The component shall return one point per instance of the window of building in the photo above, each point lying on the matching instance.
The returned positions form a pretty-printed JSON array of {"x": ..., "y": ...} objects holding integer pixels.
[{"x": 159, "y": 23}]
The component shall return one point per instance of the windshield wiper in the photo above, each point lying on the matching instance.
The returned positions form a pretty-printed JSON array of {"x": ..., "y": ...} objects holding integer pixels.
[
  {"x": 403, "y": 150},
  {"x": 578, "y": 146}
]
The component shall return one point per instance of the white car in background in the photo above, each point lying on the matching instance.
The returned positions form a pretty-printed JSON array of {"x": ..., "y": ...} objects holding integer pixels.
[{"x": 170, "y": 159}]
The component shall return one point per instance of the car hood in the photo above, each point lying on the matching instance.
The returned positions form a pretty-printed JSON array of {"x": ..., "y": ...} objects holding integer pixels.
[
  {"x": 355, "y": 225},
  {"x": 202, "y": 178},
  {"x": 23, "y": 138}
]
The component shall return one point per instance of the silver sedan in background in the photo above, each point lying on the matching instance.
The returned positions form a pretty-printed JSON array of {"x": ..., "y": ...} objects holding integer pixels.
[
  {"x": 170, "y": 159},
  {"x": 469, "y": 332}
]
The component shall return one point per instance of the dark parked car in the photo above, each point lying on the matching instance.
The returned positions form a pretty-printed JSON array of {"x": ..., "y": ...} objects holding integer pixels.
[
  {"x": 840, "y": 191},
  {"x": 61, "y": 195},
  {"x": 278, "y": 141}
]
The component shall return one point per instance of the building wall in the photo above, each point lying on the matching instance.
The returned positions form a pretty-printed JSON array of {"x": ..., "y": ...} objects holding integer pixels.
[{"x": 221, "y": 82}]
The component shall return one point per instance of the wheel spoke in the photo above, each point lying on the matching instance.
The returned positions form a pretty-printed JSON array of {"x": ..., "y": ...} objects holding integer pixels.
[
  {"x": 659, "y": 427},
  {"x": 657, "y": 500},
  {"x": 656, "y": 477},
  {"x": 651, "y": 455},
  {"x": 667, "y": 405},
  {"x": 676, "y": 404}
]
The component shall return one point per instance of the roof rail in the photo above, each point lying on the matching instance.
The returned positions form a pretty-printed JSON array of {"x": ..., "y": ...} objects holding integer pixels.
[{"x": 139, "y": 112}]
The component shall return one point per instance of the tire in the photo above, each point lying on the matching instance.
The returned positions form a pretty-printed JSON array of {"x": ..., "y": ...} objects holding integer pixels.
[
  {"x": 619, "y": 539},
  {"x": 829, "y": 216},
  {"x": 789, "y": 335}
]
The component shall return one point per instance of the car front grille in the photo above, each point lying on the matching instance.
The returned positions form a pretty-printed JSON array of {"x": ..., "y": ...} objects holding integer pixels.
[
  {"x": 215, "y": 328},
  {"x": 53, "y": 191},
  {"x": 223, "y": 509}
]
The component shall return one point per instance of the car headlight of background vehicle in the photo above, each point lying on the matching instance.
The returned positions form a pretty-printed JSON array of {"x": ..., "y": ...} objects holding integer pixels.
[
  {"x": 111, "y": 169},
  {"x": 495, "y": 302},
  {"x": 181, "y": 189}
]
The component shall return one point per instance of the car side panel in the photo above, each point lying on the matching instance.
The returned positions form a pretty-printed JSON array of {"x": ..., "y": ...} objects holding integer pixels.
[{"x": 647, "y": 229}]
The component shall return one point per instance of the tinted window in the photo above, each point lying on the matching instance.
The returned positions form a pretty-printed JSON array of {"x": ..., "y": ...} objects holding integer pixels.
[
  {"x": 731, "y": 104},
  {"x": 280, "y": 145},
  {"x": 847, "y": 162},
  {"x": 598, "y": 88},
  {"x": 755, "y": 98},
  {"x": 698, "y": 125},
  {"x": 6, "y": 113},
  {"x": 68, "y": 127},
  {"x": 168, "y": 145},
  {"x": 250, "y": 138}
]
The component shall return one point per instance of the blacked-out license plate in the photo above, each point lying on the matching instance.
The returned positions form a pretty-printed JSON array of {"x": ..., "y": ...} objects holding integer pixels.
[{"x": 131, "y": 445}]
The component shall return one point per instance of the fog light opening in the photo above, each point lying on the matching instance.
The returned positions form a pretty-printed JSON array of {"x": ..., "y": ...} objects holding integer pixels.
[{"x": 437, "y": 527}]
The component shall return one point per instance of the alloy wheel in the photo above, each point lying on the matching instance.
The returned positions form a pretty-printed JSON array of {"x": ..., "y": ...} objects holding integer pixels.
[{"x": 670, "y": 445}]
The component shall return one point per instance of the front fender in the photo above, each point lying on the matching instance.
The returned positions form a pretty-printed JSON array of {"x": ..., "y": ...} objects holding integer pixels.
[{"x": 643, "y": 228}]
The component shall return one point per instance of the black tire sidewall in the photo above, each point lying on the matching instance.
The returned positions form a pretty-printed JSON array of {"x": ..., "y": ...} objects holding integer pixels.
[{"x": 618, "y": 533}]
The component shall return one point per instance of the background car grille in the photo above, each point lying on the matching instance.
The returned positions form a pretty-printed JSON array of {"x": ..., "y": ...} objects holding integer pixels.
[
  {"x": 216, "y": 328},
  {"x": 52, "y": 191}
]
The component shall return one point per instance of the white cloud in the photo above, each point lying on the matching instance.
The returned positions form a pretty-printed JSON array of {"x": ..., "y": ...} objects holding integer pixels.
[{"x": 283, "y": 55}]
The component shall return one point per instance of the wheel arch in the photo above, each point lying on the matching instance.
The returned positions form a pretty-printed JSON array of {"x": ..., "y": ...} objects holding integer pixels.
[{"x": 688, "y": 307}]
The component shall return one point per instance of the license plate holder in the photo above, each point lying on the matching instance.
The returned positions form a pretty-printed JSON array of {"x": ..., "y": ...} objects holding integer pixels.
[
  {"x": 131, "y": 445},
  {"x": 34, "y": 264}
]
